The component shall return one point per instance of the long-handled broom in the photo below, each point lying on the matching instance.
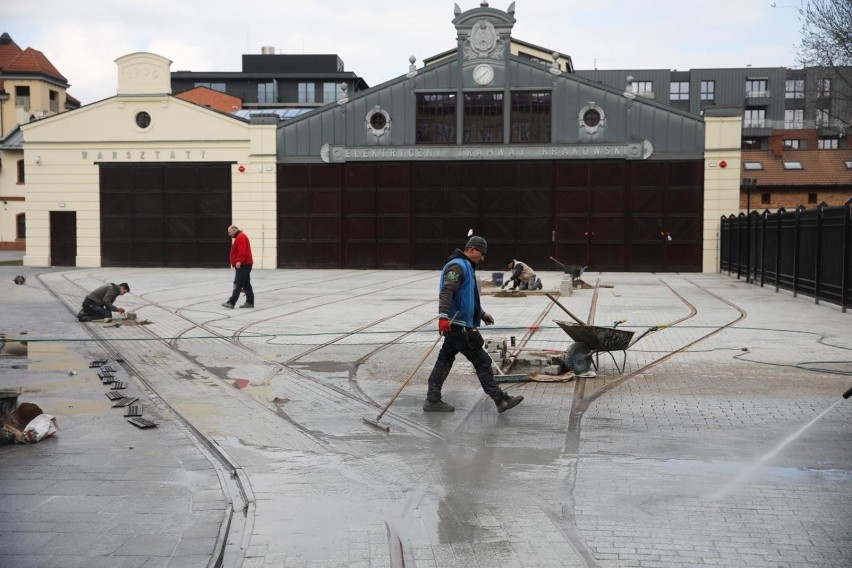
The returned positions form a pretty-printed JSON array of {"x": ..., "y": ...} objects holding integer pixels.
[{"x": 375, "y": 422}]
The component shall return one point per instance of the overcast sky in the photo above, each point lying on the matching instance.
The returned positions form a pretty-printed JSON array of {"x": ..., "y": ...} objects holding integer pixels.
[{"x": 375, "y": 38}]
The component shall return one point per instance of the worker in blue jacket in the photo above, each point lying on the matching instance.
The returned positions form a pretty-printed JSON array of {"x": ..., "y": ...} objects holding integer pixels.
[{"x": 459, "y": 317}]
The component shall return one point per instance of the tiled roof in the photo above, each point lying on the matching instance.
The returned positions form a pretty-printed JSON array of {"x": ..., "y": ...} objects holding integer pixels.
[
  {"x": 13, "y": 141},
  {"x": 819, "y": 167},
  {"x": 33, "y": 61},
  {"x": 9, "y": 51}
]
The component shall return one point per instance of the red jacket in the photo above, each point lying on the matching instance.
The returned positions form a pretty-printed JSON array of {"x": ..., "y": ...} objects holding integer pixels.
[{"x": 241, "y": 250}]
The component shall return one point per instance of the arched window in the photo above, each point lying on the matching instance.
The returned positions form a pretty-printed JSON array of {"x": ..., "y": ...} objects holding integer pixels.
[
  {"x": 21, "y": 226},
  {"x": 20, "y": 171}
]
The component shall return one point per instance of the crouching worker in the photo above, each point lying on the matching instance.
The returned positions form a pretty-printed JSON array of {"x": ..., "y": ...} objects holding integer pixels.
[
  {"x": 522, "y": 276},
  {"x": 459, "y": 317},
  {"x": 99, "y": 303}
]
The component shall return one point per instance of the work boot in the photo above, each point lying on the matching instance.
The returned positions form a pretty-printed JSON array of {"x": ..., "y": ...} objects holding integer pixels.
[
  {"x": 228, "y": 305},
  {"x": 508, "y": 402},
  {"x": 437, "y": 406},
  {"x": 247, "y": 305}
]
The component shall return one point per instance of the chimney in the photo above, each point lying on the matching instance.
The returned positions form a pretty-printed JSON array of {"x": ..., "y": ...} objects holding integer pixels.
[
  {"x": 776, "y": 145},
  {"x": 267, "y": 50}
]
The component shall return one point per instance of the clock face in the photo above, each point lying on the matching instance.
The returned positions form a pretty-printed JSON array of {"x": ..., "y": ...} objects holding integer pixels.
[{"x": 483, "y": 74}]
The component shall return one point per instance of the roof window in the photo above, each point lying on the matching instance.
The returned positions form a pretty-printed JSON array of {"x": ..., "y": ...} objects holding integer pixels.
[
  {"x": 752, "y": 165},
  {"x": 793, "y": 166}
]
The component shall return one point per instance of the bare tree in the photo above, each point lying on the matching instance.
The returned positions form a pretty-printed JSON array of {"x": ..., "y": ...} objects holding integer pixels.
[{"x": 827, "y": 47}]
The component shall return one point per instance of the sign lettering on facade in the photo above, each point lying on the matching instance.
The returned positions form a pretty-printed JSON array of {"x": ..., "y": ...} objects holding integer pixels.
[
  {"x": 332, "y": 154},
  {"x": 142, "y": 155}
]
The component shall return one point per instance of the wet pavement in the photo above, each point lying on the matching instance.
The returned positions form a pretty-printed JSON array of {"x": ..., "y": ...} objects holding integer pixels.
[{"x": 698, "y": 454}]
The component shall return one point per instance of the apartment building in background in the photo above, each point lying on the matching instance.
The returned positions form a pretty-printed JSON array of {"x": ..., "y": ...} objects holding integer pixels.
[{"x": 796, "y": 128}]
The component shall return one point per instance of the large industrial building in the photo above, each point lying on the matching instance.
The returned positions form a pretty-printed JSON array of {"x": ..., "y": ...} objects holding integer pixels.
[{"x": 539, "y": 160}]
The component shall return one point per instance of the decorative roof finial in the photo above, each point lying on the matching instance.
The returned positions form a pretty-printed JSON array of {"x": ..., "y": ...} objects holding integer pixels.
[
  {"x": 511, "y": 9},
  {"x": 411, "y": 67},
  {"x": 456, "y": 9},
  {"x": 483, "y": 4}
]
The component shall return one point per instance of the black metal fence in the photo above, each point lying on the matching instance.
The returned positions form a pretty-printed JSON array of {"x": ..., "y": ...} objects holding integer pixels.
[{"x": 808, "y": 251}]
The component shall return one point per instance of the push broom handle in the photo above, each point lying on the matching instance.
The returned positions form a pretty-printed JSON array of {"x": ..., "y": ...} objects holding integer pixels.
[
  {"x": 411, "y": 376},
  {"x": 555, "y": 301}
]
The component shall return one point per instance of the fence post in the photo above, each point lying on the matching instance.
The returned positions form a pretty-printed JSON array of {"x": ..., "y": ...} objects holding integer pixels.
[
  {"x": 780, "y": 214},
  {"x": 740, "y": 218},
  {"x": 818, "y": 252},
  {"x": 799, "y": 210},
  {"x": 844, "y": 278},
  {"x": 763, "y": 247}
]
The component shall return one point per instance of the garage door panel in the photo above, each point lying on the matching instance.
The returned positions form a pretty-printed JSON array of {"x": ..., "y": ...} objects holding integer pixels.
[
  {"x": 148, "y": 253},
  {"x": 218, "y": 205},
  {"x": 646, "y": 228},
  {"x": 427, "y": 228},
  {"x": 571, "y": 229},
  {"x": 181, "y": 254},
  {"x": 325, "y": 202},
  {"x": 116, "y": 204},
  {"x": 323, "y": 228},
  {"x": 293, "y": 228},
  {"x": 392, "y": 255},
  {"x": 609, "y": 200},
  {"x": 212, "y": 229},
  {"x": 424, "y": 201},
  {"x": 684, "y": 228},
  {"x": 118, "y": 228},
  {"x": 360, "y": 254},
  {"x": 214, "y": 179},
  {"x": 358, "y": 202},
  {"x": 293, "y": 254},
  {"x": 325, "y": 176},
  {"x": 181, "y": 203},
  {"x": 113, "y": 251},
  {"x": 466, "y": 201},
  {"x": 296, "y": 202},
  {"x": 499, "y": 201},
  {"x": 684, "y": 201},
  {"x": 325, "y": 254},
  {"x": 392, "y": 201},
  {"x": 393, "y": 176},
  {"x": 572, "y": 174},
  {"x": 534, "y": 202},
  {"x": 607, "y": 256},
  {"x": 500, "y": 228},
  {"x": 534, "y": 228},
  {"x": 181, "y": 229},
  {"x": 116, "y": 179},
  {"x": 361, "y": 176},
  {"x": 359, "y": 228},
  {"x": 392, "y": 228},
  {"x": 647, "y": 256},
  {"x": 649, "y": 174},
  {"x": 608, "y": 174},
  {"x": 291, "y": 176},
  {"x": 649, "y": 200},
  {"x": 148, "y": 204},
  {"x": 572, "y": 201}
]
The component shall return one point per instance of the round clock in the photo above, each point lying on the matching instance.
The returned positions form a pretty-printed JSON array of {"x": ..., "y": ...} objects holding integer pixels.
[{"x": 483, "y": 74}]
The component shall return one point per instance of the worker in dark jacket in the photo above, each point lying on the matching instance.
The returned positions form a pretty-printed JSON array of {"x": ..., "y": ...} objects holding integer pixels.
[
  {"x": 99, "y": 303},
  {"x": 459, "y": 317},
  {"x": 241, "y": 261}
]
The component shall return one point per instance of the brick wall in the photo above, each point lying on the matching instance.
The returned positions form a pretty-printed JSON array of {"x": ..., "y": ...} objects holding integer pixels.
[{"x": 792, "y": 198}]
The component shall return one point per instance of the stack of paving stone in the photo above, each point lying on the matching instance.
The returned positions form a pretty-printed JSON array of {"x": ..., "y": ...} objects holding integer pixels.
[{"x": 132, "y": 410}]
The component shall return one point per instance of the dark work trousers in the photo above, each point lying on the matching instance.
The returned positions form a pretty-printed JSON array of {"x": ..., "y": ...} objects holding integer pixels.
[
  {"x": 94, "y": 310},
  {"x": 242, "y": 281},
  {"x": 456, "y": 342}
]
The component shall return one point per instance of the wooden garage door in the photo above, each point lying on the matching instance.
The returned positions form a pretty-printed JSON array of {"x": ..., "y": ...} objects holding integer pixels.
[
  {"x": 165, "y": 215},
  {"x": 412, "y": 215}
]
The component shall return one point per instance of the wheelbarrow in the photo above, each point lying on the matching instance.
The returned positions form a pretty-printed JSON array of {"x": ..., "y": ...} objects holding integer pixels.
[{"x": 592, "y": 340}]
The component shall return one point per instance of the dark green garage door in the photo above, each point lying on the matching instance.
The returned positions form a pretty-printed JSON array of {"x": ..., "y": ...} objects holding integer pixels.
[{"x": 165, "y": 214}]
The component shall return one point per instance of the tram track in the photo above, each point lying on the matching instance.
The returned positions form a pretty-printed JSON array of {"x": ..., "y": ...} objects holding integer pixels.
[{"x": 564, "y": 520}]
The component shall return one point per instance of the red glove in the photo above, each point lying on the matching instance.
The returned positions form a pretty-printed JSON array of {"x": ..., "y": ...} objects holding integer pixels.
[{"x": 443, "y": 326}]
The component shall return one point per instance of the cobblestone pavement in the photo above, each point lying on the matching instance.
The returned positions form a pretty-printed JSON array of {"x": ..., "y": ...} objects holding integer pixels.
[{"x": 724, "y": 442}]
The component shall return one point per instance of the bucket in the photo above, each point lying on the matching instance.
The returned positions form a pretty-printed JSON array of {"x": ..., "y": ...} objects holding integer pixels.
[{"x": 497, "y": 278}]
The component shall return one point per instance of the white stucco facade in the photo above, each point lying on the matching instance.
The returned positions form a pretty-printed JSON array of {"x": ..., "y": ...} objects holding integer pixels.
[
  {"x": 63, "y": 154},
  {"x": 722, "y": 157}
]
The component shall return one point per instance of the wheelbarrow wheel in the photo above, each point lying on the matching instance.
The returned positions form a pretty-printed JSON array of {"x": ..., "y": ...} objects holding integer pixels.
[{"x": 577, "y": 358}]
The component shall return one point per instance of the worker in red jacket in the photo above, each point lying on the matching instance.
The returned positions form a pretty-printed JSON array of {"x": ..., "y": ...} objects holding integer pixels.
[{"x": 241, "y": 261}]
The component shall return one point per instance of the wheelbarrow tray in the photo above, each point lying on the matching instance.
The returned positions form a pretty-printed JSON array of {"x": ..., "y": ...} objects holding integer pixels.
[{"x": 598, "y": 338}]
